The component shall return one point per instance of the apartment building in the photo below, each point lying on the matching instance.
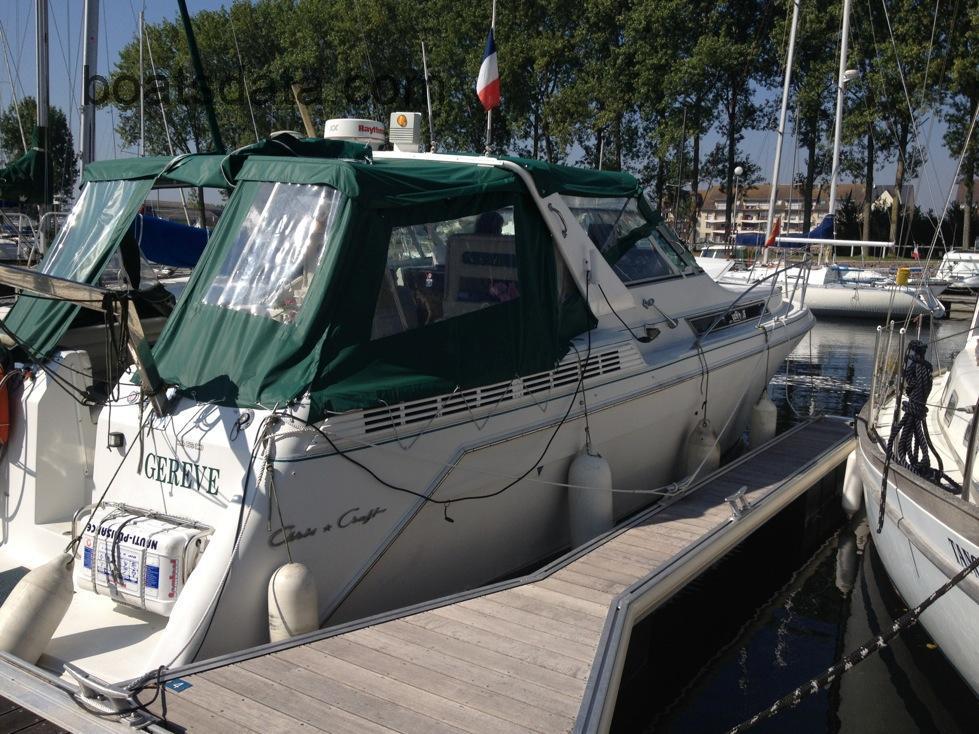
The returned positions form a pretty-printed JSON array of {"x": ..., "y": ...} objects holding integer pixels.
[{"x": 751, "y": 211}]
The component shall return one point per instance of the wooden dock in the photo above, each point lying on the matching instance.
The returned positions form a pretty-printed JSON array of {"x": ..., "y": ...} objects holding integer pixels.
[
  {"x": 542, "y": 653},
  {"x": 15, "y": 719}
]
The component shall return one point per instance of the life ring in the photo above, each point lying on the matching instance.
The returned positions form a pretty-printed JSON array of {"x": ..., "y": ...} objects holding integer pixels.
[{"x": 4, "y": 409}]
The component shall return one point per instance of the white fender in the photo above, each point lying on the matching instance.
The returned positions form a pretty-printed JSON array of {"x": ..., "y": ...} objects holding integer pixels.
[
  {"x": 35, "y": 608},
  {"x": 293, "y": 605},
  {"x": 852, "y": 499},
  {"x": 589, "y": 497},
  {"x": 764, "y": 416},
  {"x": 702, "y": 446}
]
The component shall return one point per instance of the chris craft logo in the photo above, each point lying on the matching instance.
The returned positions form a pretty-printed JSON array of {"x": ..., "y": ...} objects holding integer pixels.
[
  {"x": 184, "y": 474},
  {"x": 352, "y": 517}
]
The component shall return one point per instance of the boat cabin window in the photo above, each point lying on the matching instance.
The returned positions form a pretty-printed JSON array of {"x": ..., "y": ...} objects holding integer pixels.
[
  {"x": 79, "y": 244},
  {"x": 609, "y": 221},
  {"x": 675, "y": 251},
  {"x": 281, "y": 244},
  {"x": 440, "y": 270},
  {"x": 953, "y": 401}
]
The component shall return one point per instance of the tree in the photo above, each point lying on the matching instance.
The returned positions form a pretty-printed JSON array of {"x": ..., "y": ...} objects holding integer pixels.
[
  {"x": 960, "y": 108},
  {"x": 906, "y": 69},
  {"x": 848, "y": 219},
  {"x": 813, "y": 91},
  {"x": 714, "y": 168},
  {"x": 674, "y": 85},
  {"x": 864, "y": 128},
  {"x": 736, "y": 51},
  {"x": 173, "y": 89},
  {"x": 64, "y": 161}
]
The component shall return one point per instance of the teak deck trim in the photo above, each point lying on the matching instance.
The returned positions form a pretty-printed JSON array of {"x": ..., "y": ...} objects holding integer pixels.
[{"x": 543, "y": 652}]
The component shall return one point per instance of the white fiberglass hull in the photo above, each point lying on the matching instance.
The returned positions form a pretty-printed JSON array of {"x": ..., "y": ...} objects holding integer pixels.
[
  {"x": 371, "y": 547},
  {"x": 929, "y": 534},
  {"x": 953, "y": 621},
  {"x": 846, "y": 298},
  {"x": 850, "y": 301}
]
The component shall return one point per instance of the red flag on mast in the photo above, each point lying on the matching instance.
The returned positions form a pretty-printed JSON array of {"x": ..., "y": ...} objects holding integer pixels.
[{"x": 776, "y": 231}]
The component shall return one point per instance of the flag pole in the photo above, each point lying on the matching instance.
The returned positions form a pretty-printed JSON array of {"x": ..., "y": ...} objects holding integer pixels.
[{"x": 489, "y": 112}]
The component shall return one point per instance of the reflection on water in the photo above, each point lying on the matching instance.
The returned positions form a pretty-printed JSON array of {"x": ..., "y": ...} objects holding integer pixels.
[
  {"x": 778, "y": 612},
  {"x": 831, "y": 368}
]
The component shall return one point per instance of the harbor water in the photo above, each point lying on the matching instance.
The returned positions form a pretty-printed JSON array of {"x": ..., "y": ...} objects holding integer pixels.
[{"x": 798, "y": 596}]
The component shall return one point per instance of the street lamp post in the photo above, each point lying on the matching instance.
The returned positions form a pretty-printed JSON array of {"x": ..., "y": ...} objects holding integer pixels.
[{"x": 738, "y": 170}]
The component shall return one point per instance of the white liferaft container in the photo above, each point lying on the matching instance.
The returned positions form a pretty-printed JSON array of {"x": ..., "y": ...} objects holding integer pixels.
[{"x": 139, "y": 560}]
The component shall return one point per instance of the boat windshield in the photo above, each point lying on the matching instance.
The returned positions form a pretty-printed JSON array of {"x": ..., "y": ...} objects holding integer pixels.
[
  {"x": 88, "y": 232},
  {"x": 638, "y": 252},
  {"x": 278, "y": 250}
]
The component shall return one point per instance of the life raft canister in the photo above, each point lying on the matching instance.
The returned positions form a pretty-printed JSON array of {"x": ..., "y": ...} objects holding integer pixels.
[{"x": 4, "y": 409}]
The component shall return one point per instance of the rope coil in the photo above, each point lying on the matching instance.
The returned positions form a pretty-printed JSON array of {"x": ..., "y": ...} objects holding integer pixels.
[{"x": 909, "y": 444}]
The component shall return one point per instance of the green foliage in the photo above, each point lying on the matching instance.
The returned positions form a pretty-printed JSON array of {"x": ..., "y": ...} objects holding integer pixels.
[
  {"x": 960, "y": 109},
  {"x": 621, "y": 84},
  {"x": 63, "y": 158},
  {"x": 579, "y": 76}
]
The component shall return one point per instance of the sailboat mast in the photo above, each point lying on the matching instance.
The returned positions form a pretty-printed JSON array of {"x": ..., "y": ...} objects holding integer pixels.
[
  {"x": 142, "y": 88},
  {"x": 42, "y": 63},
  {"x": 89, "y": 67},
  {"x": 781, "y": 118},
  {"x": 489, "y": 112},
  {"x": 195, "y": 58},
  {"x": 41, "y": 11},
  {"x": 838, "y": 129}
]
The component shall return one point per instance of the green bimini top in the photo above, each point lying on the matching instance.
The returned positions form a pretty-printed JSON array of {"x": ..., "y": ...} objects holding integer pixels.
[
  {"x": 29, "y": 176},
  {"x": 112, "y": 193},
  {"x": 367, "y": 283}
]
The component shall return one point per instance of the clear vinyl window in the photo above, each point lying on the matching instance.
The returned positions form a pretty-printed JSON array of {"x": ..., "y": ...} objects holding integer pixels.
[
  {"x": 440, "y": 270},
  {"x": 87, "y": 231},
  {"x": 608, "y": 220},
  {"x": 281, "y": 244}
]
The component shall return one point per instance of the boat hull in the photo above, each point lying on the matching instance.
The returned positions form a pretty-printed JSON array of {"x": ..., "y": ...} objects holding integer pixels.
[
  {"x": 868, "y": 302},
  {"x": 373, "y": 547},
  {"x": 926, "y": 538}
]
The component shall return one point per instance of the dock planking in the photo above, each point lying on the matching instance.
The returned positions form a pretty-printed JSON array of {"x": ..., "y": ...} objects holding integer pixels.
[
  {"x": 15, "y": 719},
  {"x": 529, "y": 656}
]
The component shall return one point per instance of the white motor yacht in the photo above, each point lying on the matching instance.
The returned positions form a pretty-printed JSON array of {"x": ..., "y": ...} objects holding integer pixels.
[{"x": 389, "y": 370}]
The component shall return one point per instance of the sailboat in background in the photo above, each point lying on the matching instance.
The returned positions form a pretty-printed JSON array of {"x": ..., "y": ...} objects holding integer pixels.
[{"x": 826, "y": 288}]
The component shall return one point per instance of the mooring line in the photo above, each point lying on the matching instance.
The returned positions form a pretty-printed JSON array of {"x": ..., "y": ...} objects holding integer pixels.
[{"x": 857, "y": 656}]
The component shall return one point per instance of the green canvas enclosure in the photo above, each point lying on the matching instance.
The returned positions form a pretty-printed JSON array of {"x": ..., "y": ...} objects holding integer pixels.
[
  {"x": 570, "y": 181},
  {"x": 112, "y": 195},
  {"x": 81, "y": 250},
  {"x": 185, "y": 170},
  {"x": 29, "y": 176},
  {"x": 305, "y": 286}
]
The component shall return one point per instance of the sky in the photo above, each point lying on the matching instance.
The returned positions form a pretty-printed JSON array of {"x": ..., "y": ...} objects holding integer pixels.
[{"x": 118, "y": 26}]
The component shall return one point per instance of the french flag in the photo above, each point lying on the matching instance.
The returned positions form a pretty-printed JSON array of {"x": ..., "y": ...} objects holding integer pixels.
[{"x": 488, "y": 82}]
